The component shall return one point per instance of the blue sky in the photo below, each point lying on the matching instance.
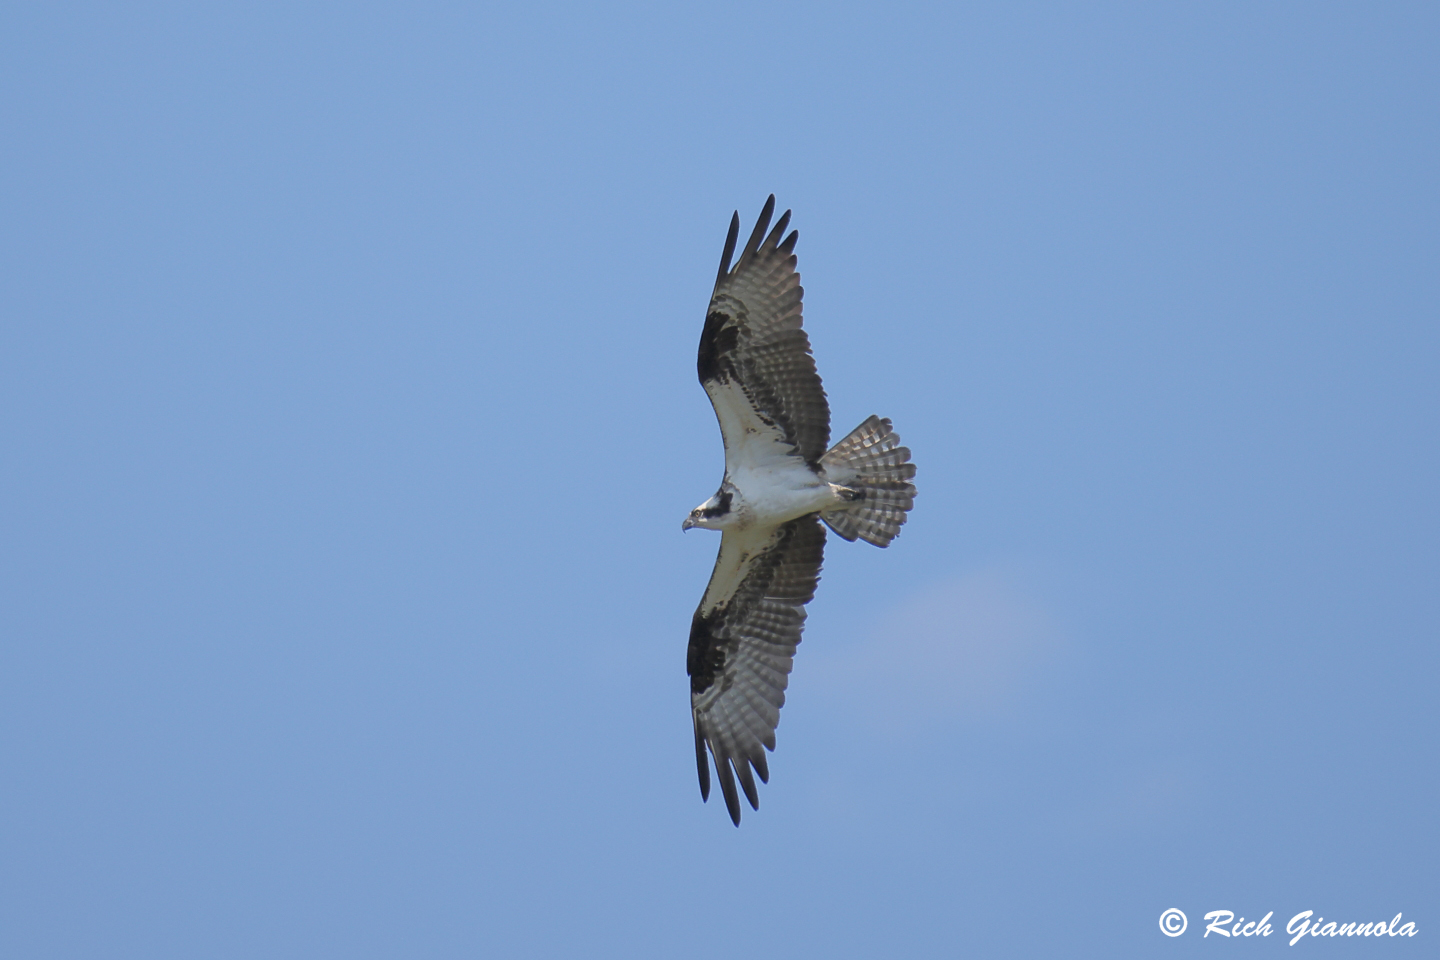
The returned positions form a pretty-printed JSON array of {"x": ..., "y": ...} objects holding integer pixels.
[{"x": 347, "y": 369}]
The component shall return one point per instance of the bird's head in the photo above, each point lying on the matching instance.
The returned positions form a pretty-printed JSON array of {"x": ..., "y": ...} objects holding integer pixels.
[{"x": 713, "y": 514}]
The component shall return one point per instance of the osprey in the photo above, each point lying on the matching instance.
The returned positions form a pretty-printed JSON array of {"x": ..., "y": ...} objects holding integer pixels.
[{"x": 780, "y": 484}]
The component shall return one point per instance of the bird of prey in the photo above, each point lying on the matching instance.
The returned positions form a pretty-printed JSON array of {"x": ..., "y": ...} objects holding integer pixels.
[{"x": 780, "y": 483}]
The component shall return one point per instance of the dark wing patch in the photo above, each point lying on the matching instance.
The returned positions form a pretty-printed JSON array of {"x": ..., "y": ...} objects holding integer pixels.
[
  {"x": 753, "y": 335},
  {"x": 740, "y": 657}
]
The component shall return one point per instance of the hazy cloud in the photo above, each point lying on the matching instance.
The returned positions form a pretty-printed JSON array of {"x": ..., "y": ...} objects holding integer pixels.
[{"x": 971, "y": 646}]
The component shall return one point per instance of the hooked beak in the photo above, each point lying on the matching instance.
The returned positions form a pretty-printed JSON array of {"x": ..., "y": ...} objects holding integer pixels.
[{"x": 687, "y": 524}]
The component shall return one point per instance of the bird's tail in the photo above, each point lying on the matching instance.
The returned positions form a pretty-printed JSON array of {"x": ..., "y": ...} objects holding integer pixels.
[{"x": 870, "y": 463}]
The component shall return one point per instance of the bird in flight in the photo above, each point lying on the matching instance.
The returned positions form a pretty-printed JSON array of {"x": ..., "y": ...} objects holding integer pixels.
[{"x": 780, "y": 483}]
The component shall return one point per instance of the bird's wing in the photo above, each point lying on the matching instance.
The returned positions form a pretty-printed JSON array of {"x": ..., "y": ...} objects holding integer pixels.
[
  {"x": 742, "y": 645},
  {"x": 754, "y": 358}
]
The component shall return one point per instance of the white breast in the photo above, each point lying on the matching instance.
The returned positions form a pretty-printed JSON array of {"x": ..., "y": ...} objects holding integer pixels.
[{"x": 773, "y": 482}]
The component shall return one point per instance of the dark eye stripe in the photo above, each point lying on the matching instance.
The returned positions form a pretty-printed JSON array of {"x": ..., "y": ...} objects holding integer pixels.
[{"x": 722, "y": 509}]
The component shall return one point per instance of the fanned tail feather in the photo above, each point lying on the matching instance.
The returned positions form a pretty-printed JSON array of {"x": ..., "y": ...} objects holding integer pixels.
[{"x": 871, "y": 462}]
